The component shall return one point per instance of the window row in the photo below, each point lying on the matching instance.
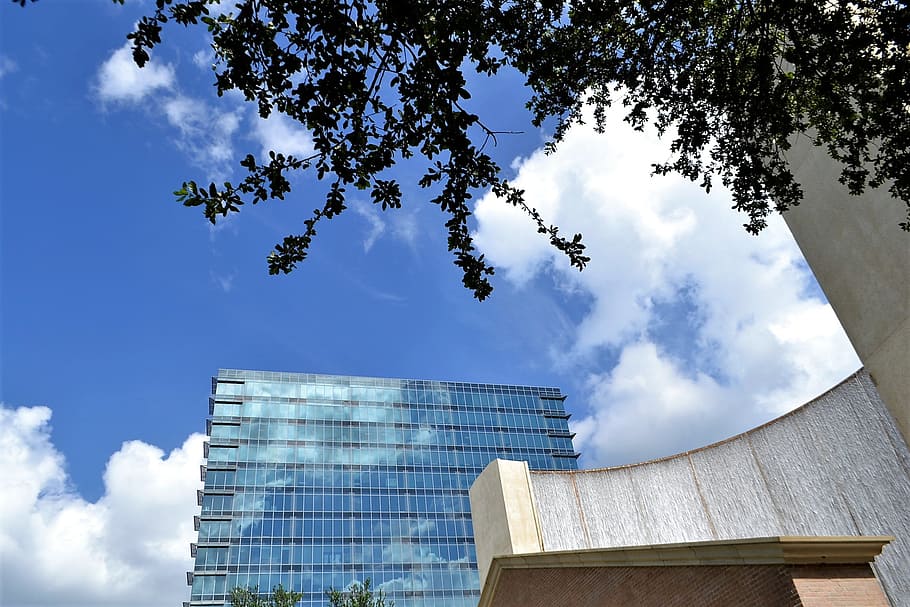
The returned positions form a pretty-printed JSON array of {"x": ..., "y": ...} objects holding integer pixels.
[
  {"x": 401, "y": 414},
  {"x": 392, "y": 580},
  {"x": 448, "y": 598},
  {"x": 328, "y": 475},
  {"x": 469, "y": 441},
  {"x": 327, "y": 479},
  {"x": 479, "y": 398},
  {"x": 312, "y": 529},
  {"x": 425, "y": 433},
  {"x": 424, "y": 556},
  {"x": 288, "y": 502},
  {"x": 345, "y": 454},
  {"x": 269, "y": 499}
]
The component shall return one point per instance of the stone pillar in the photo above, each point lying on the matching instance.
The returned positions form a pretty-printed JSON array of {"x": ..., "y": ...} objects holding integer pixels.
[
  {"x": 861, "y": 259},
  {"x": 502, "y": 513}
]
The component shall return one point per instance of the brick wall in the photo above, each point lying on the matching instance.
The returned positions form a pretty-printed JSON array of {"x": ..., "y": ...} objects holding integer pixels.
[
  {"x": 688, "y": 586},
  {"x": 707, "y": 586}
]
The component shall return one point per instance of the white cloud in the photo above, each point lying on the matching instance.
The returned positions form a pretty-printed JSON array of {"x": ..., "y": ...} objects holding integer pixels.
[
  {"x": 405, "y": 227},
  {"x": 204, "y": 58},
  {"x": 400, "y": 224},
  {"x": 131, "y": 547},
  {"x": 377, "y": 225},
  {"x": 224, "y": 281},
  {"x": 694, "y": 329},
  {"x": 120, "y": 80},
  {"x": 7, "y": 66},
  {"x": 279, "y": 133},
  {"x": 222, "y": 7},
  {"x": 205, "y": 133},
  {"x": 651, "y": 408}
]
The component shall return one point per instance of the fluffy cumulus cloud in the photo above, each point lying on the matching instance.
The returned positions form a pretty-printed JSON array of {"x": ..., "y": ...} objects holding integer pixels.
[
  {"x": 693, "y": 330},
  {"x": 131, "y": 547},
  {"x": 203, "y": 59},
  {"x": 278, "y": 133},
  {"x": 120, "y": 80},
  {"x": 203, "y": 132}
]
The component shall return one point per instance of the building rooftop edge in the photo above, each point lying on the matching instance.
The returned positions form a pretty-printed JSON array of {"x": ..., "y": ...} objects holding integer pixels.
[{"x": 231, "y": 373}]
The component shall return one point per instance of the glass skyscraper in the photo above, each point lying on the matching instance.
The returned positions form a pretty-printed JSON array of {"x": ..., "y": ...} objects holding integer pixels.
[{"x": 315, "y": 481}]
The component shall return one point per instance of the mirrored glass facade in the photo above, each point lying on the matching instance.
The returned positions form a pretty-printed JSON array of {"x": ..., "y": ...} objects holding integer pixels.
[{"x": 315, "y": 481}]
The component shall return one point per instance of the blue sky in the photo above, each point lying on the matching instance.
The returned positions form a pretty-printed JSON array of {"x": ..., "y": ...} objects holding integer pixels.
[{"x": 118, "y": 304}]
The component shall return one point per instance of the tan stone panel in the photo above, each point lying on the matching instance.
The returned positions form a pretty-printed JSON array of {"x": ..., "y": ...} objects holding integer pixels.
[{"x": 861, "y": 259}]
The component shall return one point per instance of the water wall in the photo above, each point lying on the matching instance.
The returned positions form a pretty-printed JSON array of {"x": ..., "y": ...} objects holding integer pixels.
[{"x": 836, "y": 466}]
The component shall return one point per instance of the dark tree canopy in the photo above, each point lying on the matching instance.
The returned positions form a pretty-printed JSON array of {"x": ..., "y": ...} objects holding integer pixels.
[
  {"x": 358, "y": 595},
  {"x": 374, "y": 83},
  {"x": 729, "y": 81},
  {"x": 250, "y": 597},
  {"x": 736, "y": 80}
]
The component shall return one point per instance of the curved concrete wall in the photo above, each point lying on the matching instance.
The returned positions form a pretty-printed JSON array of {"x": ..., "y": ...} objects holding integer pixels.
[{"x": 836, "y": 466}]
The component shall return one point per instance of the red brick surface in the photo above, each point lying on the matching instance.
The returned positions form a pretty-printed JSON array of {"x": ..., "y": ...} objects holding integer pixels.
[
  {"x": 703, "y": 586},
  {"x": 690, "y": 586}
]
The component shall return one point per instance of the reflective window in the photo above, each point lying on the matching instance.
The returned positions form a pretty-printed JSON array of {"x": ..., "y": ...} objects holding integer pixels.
[
  {"x": 208, "y": 587},
  {"x": 222, "y": 454},
  {"x": 339, "y": 478},
  {"x": 211, "y": 558},
  {"x": 225, "y": 431},
  {"x": 219, "y": 479},
  {"x": 216, "y": 504},
  {"x": 228, "y": 389},
  {"x": 214, "y": 530}
]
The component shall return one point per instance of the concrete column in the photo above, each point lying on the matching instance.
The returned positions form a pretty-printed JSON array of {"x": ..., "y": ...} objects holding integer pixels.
[
  {"x": 502, "y": 513},
  {"x": 861, "y": 259}
]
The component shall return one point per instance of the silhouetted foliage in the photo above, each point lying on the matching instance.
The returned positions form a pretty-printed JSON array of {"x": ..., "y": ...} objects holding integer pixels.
[
  {"x": 729, "y": 81},
  {"x": 733, "y": 81}
]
